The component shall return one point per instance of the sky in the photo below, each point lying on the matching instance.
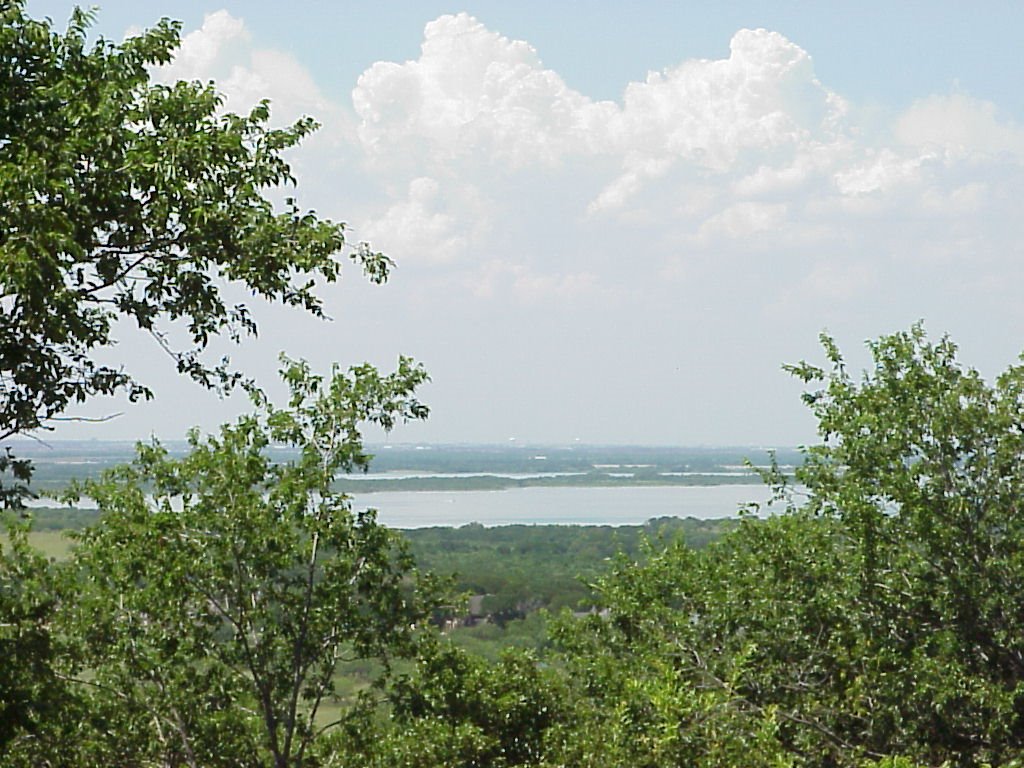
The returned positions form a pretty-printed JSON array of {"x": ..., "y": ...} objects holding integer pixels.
[{"x": 613, "y": 223}]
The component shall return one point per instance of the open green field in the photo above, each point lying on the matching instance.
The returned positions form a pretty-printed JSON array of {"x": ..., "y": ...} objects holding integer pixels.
[{"x": 53, "y": 544}]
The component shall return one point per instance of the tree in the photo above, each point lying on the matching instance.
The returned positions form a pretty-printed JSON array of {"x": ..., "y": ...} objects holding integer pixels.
[
  {"x": 215, "y": 600},
  {"x": 652, "y": 681},
  {"x": 457, "y": 710},
  {"x": 125, "y": 199},
  {"x": 921, "y": 462},
  {"x": 29, "y": 689},
  {"x": 878, "y": 620}
]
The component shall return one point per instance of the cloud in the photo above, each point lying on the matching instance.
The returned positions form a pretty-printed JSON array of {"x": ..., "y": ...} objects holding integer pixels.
[
  {"x": 719, "y": 212},
  {"x": 788, "y": 178},
  {"x": 221, "y": 50},
  {"x": 959, "y": 125},
  {"x": 202, "y": 48},
  {"x": 473, "y": 92},
  {"x": 478, "y": 162},
  {"x": 765, "y": 96},
  {"x": 499, "y": 278},
  {"x": 763, "y": 105},
  {"x": 961, "y": 201},
  {"x": 639, "y": 171},
  {"x": 478, "y": 109},
  {"x": 421, "y": 226},
  {"x": 837, "y": 281},
  {"x": 744, "y": 220},
  {"x": 880, "y": 172}
]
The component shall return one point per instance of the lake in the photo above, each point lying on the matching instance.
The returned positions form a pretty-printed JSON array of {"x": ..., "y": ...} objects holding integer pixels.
[
  {"x": 563, "y": 506},
  {"x": 581, "y": 505}
]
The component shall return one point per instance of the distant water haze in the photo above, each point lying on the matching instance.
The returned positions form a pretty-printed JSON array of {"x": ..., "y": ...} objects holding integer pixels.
[{"x": 559, "y": 506}]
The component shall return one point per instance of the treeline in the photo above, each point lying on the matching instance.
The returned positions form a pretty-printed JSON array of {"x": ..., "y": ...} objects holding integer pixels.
[
  {"x": 522, "y": 568},
  {"x": 514, "y": 569},
  {"x": 438, "y": 469},
  {"x": 523, "y": 459}
]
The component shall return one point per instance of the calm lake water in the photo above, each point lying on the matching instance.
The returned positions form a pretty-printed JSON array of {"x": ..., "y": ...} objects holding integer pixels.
[
  {"x": 575, "y": 506},
  {"x": 539, "y": 506}
]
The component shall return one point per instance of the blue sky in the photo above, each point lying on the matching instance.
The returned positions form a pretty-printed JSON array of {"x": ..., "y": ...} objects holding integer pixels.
[
  {"x": 614, "y": 222},
  {"x": 874, "y": 52}
]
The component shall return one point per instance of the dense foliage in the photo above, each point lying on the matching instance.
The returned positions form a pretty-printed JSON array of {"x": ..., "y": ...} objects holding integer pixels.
[
  {"x": 882, "y": 617},
  {"x": 874, "y": 619},
  {"x": 521, "y": 568},
  {"x": 209, "y": 609}
]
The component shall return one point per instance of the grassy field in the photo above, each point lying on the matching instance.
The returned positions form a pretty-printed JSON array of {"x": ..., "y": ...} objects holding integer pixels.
[{"x": 53, "y": 544}]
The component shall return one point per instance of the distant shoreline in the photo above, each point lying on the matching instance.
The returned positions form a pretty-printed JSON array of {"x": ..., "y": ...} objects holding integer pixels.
[{"x": 461, "y": 467}]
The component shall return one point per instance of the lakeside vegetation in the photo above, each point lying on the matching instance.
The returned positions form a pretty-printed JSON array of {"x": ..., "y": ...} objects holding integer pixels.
[
  {"x": 506, "y": 580},
  {"x": 516, "y": 569}
]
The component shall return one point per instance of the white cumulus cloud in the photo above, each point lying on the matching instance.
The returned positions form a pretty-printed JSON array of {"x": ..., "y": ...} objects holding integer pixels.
[
  {"x": 475, "y": 158},
  {"x": 473, "y": 91},
  {"x": 765, "y": 96},
  {"x": 480, "y": 109}
]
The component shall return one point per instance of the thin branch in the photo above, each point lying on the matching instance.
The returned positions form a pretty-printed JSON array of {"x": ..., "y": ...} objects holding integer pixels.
[
  {"x": 331, "y": 724},
  {"x": 298, "y": 669},
  {"x": 109, "y": 689},
  {"x": 147, "y": 251},
  {"x": 16, "y": 431},
  {"x": 162, "y": 341}
]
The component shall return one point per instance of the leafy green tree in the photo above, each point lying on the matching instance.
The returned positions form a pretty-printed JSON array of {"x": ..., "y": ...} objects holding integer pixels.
[
  {"x": 455, "y": 710},
  {"x": 921, "y": 462},
  {"x": 878, "y": 620},
  {"x": 649, "y": 686},
  {"x": 29, "y": 690},
  {"x": 124, "y": 199},
  {"x": 218, "y": 596}
]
